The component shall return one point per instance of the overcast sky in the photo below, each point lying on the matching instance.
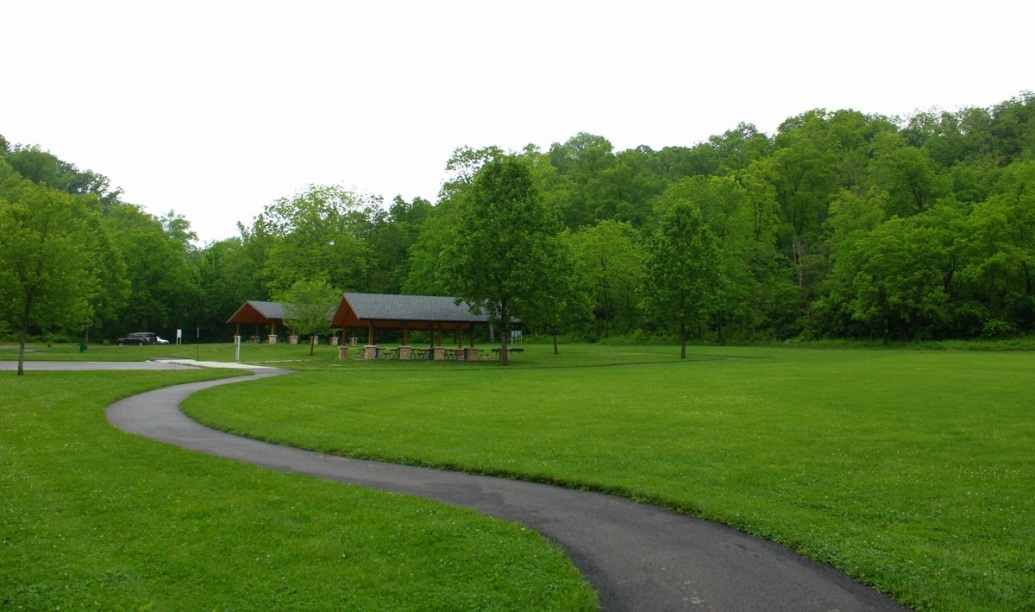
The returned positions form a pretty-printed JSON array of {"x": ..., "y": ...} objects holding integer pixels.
[{"x": 215, "y": 109}]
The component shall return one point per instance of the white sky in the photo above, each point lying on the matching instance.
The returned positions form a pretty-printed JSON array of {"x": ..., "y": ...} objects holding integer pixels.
[{"x": 216, "y": 108}]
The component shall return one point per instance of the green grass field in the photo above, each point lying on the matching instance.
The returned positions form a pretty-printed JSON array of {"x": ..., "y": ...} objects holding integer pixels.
[
  {"x": 912, "y": 470},
  {"x": 94, "y": 518}
]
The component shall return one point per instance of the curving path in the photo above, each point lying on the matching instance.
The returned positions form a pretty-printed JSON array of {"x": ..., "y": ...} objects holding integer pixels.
[{"x": 636, "y": 556}]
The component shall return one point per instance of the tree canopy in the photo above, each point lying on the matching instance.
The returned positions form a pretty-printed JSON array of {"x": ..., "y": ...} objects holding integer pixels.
[
  {"x": 49, "y": 272},
  {"x": 840, "y": 224},
  {"x": 507, "y": 247},
  {"x": 308, "y": 306},
  {"x": 683, "y": 277}
]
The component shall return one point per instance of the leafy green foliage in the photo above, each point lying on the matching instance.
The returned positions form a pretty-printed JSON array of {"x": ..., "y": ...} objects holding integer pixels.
[
  {"x": 308, "y": 306},
  {"x": 160, "y": 271},
  {"x": 682, "y": 271},
  {"x": 48, "y": 271},
  {"x": 610, "y": 265},
  {"x": 797, "y": 252},
  {"x": 503, "y": 261},
  {"x": 318, "y": 234}
]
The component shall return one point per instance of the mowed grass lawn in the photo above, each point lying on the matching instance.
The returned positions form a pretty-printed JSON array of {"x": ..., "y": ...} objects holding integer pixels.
[
  {"x": 913, "y": 471},
  {"x": 94, "y": 518}
]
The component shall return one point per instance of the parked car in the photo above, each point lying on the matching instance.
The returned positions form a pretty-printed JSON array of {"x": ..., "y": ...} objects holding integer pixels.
[{"x": 138, "y": 338}]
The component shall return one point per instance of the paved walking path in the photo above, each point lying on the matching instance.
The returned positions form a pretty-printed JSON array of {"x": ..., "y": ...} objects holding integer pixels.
[{"x": 637, "y": 557}]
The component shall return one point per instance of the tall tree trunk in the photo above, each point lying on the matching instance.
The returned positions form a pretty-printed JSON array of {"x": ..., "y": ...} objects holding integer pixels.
[
  {"x": 555, "y": 342},
  {"x": 682, "y": 340},
  {"x": 504, "y": 357},
  {"x": 25, "y": 334},
  {"x": 798, "y": 253},
  {"x": 21, "y": 350}
]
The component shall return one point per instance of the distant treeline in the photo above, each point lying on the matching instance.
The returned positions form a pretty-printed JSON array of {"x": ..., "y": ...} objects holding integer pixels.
[{"x": 841, "y": 225}]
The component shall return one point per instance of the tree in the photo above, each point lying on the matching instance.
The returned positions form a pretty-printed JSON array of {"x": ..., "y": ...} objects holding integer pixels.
[
  {"x": 426, "y": 257},
  {"x": 499, "y": 263},
  {"x": 394, "y": 233},
  {"x": 47, "y": 269},
  {"x": 1002, "y": 263},
  {"x": 683, "y": 273},
  {"x": 463, "y": 165},
  {"x": 44, "y": 168},
  {"x": 611, "y": 270},
  {"x": 159, "y": 269},
  {"x": 319, "y": 233},
  {"x": 908, "y": 175},
  {"x": 308, "y": 306},
  {"x": 727, "y": 212},
  {"x": 585, "y": 160},
  {"x": 564, "y": 303},
  {"x": 736, "y": 149},
  {"x": 226, "y": 279}
]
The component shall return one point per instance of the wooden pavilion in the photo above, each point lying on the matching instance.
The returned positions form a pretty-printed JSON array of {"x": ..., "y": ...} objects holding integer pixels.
[
  {"x": 254, "y": 312},
  {"x": 436, "y": 314}
]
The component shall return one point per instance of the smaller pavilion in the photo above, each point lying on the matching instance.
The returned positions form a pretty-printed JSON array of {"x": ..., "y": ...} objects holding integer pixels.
[{"x": 254, "y": 312}]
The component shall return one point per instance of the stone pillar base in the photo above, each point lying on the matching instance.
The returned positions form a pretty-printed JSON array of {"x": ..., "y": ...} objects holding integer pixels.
[
  {"x": 437, "y": 353},
  {"x": 370, "y": 351},
  {"x": 334, "y": 340},
  {"x": 343, "y": 352},
  {"x": 472, "y": 354},
  {"x": 405, "y": 352},
  {"x": 292, "y": 339},
  {"x": 272, "y": 338}
]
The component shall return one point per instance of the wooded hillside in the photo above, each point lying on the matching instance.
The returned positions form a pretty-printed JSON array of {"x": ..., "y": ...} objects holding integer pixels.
[{"x": 841, "y": 224}]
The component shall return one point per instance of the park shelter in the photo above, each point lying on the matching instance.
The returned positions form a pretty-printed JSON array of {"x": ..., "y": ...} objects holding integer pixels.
[
  {"x": 258, "y": 313},
  {"x": 437, "y": 314}
]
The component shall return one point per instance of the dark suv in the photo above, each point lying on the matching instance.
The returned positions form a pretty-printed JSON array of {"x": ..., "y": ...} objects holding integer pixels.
[{"x": 138, "y": 338}]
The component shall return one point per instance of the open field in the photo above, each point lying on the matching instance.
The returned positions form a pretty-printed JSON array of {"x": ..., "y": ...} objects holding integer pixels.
[
  {"x": 911, "y": 470},
  {"x": 91, "y": 517}
]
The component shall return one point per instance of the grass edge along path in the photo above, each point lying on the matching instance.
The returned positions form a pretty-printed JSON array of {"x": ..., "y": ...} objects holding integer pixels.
[
  {"x": 909, "y": 470},
  {"x": 93, "y": 517}
]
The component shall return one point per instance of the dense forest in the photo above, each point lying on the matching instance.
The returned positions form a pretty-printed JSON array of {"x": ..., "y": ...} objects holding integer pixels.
[{"x": 840, "y": 225}]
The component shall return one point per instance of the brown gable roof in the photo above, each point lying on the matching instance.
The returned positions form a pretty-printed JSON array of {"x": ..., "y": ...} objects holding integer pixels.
[{"x": 259, "y": 313}]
